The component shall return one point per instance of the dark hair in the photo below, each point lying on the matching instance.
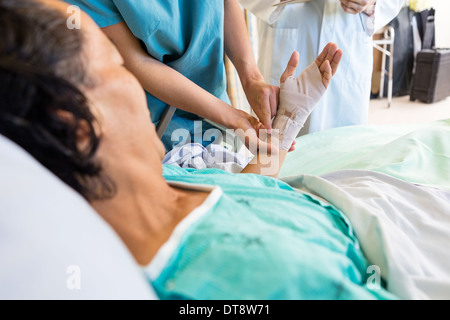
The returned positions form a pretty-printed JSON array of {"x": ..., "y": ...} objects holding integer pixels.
[{"x": 41, "y": 105}]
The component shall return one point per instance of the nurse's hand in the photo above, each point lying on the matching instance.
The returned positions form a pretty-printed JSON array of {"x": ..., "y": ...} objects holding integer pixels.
[
  {"x": 263, "y": 98},
  {"x": 254, "y": 135},
  {"x": 358, "y": 6},
  {"x": 248, "y": 129}
]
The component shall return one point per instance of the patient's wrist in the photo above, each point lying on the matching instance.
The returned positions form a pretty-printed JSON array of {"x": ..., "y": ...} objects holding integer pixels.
[
  {"x": 298, "y": 97},
  {"x": 284, "y": 132}
]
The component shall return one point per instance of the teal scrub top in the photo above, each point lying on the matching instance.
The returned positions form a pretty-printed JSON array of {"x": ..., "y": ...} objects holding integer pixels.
[
  {"x": 261, "y": 241},
  {"x": 185, "y": 35}
]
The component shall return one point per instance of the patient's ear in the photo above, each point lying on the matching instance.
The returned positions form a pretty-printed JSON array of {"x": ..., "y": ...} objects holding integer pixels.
[{"x": 83, "y": 133}]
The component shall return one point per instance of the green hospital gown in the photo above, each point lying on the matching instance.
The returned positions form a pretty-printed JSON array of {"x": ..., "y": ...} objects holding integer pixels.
[{"x": 262, "y": 240}]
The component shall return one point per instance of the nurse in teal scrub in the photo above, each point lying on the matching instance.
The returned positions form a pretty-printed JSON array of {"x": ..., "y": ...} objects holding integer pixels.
[{"x": 176, "y": 49}]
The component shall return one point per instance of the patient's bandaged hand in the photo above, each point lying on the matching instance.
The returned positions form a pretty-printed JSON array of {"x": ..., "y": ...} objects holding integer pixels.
[{"x": 298, "y": 97}]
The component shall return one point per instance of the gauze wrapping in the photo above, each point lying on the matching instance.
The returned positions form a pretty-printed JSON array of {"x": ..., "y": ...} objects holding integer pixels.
[{"x": 298, "y": 97}]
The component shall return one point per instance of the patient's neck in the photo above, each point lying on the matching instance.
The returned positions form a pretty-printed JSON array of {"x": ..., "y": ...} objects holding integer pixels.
[{"x": 145, "y": 211}]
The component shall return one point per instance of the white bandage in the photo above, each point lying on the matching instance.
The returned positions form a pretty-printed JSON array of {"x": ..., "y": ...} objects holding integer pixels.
[{"x": 298, "y": 97}]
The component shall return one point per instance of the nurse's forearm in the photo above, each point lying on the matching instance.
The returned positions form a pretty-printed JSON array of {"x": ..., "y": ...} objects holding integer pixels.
[
  {"x": 173, "y": 88},
  {"x": 262, "y": 97},
  {"x": 167, "y": 84},
  {"x": 237, "y": 43}
]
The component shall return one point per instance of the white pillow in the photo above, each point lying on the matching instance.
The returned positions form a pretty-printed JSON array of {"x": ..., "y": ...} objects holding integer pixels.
[{"x": 53, "y": 245}]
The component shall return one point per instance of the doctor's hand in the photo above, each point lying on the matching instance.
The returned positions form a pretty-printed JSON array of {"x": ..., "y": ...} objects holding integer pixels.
[
  {"x": 358, "y": 6},
  {"x": 263, "y": 98}
]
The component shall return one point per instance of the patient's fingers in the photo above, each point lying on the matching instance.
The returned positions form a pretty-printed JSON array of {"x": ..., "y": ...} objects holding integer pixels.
[
  {"x": 321, "y": 58},
  {"x": 291, "y": 66},
  {"x": 336, "y": 61},
  {"x": 332, "y": 49},
  {"x": 327, "y": 73},
  {"x": 292, "y": 148},
  {"x": 328, "y": 69},
  {"x": 328, "y": 62},
  {"x": 328, "y": 53}
]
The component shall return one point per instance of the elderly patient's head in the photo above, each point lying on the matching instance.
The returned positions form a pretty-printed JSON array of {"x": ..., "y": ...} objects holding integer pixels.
[{"x": 66, "y": 98}]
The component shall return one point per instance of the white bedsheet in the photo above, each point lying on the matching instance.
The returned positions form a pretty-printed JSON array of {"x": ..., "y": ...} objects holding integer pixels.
[{"x": 403, "y": 228}]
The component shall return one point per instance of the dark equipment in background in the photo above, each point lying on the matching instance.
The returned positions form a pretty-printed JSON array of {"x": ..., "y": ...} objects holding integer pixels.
[
  {"x": 431, "y": 82},
  {"x": 420, "y": 70},
  {"x": 404, "y": 54}
]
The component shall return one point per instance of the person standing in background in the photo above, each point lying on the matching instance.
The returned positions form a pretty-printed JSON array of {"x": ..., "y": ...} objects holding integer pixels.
[{"x": 306, "y": 28}]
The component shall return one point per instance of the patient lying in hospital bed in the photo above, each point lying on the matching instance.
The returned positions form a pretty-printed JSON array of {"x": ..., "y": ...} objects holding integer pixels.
[{"x": 209, "y": 234}]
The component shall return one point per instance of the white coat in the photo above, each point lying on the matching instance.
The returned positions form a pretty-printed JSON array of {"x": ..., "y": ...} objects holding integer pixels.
[{"x": 307, "y": 28}]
